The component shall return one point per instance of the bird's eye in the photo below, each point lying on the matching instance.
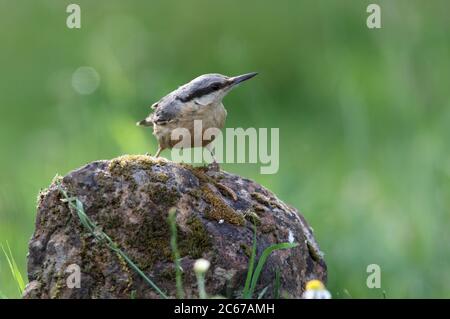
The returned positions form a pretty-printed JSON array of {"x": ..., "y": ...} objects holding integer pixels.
[{"x": 215, "y": 86}]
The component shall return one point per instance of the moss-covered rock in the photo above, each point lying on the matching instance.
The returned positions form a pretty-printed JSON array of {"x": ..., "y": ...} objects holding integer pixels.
[{"x": 129, "y": 199}]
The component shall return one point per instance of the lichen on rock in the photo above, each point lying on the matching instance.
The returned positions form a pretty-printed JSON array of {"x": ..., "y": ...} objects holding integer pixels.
[{"x": 129, "y": 198}]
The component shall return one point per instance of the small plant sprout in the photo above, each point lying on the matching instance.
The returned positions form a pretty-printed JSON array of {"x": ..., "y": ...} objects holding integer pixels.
[
  {"x": 201, "y": 266},
  {"x": 315, "y": 289},
  {"x": 175, "y": 252}
]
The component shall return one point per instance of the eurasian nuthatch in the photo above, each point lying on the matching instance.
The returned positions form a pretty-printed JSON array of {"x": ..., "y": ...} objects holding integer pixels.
[{"x": 200, "y": 99}]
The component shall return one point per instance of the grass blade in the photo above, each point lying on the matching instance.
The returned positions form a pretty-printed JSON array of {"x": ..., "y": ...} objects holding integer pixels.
[
  {"x": 175, "y": 252},
  {"x": 276, "y": 289},
  {"x": 16, "y": 274},
  {"x": 246, "y": 292},
  {"x": 262, "y": 293},
  {"x": 262, "y": 260}
]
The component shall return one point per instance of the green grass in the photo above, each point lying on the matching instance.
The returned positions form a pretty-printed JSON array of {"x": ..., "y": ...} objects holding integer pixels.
[
  {"x": 202, "y": 294},
  {"x": 253, "y": 273},
  {"x": 261, "y": 262},
  {"x": 176, "y": 253},
  {"x": 14, "y": 269},
  {"x": 277, "y": 285},
  {"x": 251, "y": 266}
]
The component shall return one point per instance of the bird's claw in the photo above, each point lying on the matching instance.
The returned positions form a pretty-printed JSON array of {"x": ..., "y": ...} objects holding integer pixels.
[{"x": 214, "y": 166}]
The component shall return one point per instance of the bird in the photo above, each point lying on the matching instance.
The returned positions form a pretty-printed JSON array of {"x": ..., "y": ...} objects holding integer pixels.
[{"x": 199, "y": 99}]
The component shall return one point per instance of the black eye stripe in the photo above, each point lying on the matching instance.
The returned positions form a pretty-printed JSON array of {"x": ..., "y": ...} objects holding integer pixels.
[
  {"x": 216, "y": 86},
  {"x": 202, "y": 91}
]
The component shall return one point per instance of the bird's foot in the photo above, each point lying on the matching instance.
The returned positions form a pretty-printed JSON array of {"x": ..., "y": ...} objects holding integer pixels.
[{"x": 214, "y": 166}]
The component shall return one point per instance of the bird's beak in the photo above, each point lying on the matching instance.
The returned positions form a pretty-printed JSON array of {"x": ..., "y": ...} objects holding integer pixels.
[{"x": 241, "y": 78}]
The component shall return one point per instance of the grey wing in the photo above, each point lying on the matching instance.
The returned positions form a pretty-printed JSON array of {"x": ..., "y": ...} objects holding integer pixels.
[{"x": 166, "y": 112}]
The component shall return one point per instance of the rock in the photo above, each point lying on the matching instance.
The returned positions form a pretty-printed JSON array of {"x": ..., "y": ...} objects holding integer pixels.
[{"x": 129, "y": 198}]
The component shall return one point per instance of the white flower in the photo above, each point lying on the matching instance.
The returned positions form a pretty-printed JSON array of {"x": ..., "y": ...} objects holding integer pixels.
[
  {"x": 201, "y": 266},
  {"x": 316, "y": 294},
  {"x": 315, "y": 289}
]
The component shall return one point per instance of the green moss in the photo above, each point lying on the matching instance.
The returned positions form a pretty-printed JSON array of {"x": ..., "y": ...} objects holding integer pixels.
[
  {"x": 259, "y": 208},
  {"x": 94, "y": 256},
  {"x": 124, "y": 267},
  {"x": 266, "y": 201},
  {"x": 219, "y": 210},
  {"x": 42, "y": 220},
  {"x": 54, "y": 215},
  {"x": 159, "y": 177},
  {"x": 197, "y": 241},
  {"x": 112, "y": 221},
  {"x": 151, "y": 239},
  {"x": 56, "y": 290},
  {"x": 60, "y": 278},
  {"x": 313, "y": 252},
  {"x": 168, "y": 273},
  {"x": 162, "y": 195},
  {"x": 247, "y": 249},
  {"x": 262, "y": 199},
  {"x": 252, "y": 217},
  {"x": 124, "y": 164},
  {"x": 200, "y": 173},
  {"x": 226, "y": 191},
  {"x": 267, "y": 228},
  {"x": 196, "y": 193},
  {"x": 105, "y": 182}
]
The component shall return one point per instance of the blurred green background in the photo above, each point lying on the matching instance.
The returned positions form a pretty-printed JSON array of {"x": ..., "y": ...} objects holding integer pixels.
[{"x": 364, "y": 115}]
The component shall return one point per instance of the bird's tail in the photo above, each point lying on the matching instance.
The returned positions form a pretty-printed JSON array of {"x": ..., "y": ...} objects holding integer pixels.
[{"x": 144, "y": 122}]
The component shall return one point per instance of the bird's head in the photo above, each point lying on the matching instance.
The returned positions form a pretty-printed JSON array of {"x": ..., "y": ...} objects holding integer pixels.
[{"x": 211, "y": 88}]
